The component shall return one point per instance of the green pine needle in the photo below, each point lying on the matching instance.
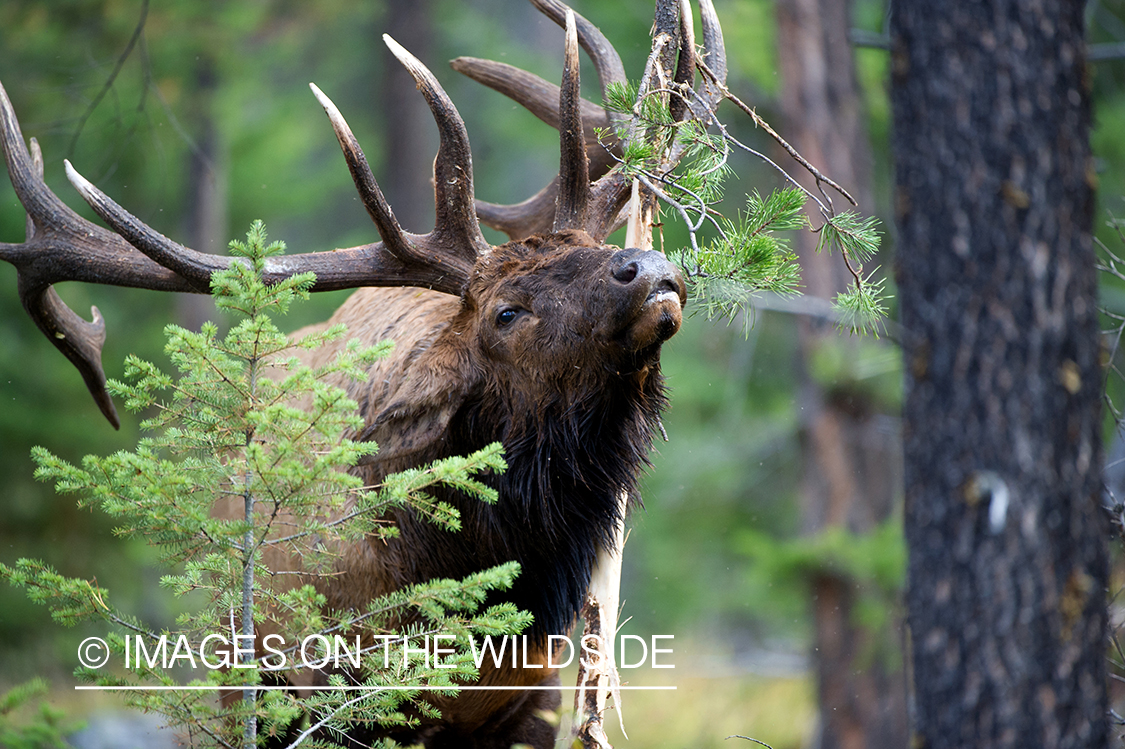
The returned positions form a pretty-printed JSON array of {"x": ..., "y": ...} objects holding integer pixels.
[{"x": 863, "y": 309}]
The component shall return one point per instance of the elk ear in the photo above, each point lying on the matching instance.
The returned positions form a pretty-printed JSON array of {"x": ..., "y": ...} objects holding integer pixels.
[{"x": 417, "y": 408}]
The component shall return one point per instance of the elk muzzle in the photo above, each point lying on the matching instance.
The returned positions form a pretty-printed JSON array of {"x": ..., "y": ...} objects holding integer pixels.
[{"x": 651, "y": 298}]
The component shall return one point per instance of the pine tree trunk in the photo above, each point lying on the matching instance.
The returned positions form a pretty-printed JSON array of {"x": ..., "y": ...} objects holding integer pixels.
[
  {"x": 1007, "y": 572},
  {"x": 207, "y": 221},
  {"x": 406, "y": 168},
  {"x": 852, "y": 464}
]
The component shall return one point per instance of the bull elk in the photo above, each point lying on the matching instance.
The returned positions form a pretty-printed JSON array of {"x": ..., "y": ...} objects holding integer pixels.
[{"x": 549, "y": 344}]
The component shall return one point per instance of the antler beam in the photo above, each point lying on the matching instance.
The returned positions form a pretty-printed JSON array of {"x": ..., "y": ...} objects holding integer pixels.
[{"x": 62, "y": 246}]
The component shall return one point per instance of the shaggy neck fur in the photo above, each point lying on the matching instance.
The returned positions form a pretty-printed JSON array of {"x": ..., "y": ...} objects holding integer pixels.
[{"x": 569, "y": 459}]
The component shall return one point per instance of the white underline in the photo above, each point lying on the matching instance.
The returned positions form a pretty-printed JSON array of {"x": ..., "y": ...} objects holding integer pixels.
[{"x": 237, "y": 687}]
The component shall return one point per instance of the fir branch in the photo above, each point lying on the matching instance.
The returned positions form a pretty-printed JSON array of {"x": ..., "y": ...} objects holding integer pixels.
[{"x": 684, "y": 166}]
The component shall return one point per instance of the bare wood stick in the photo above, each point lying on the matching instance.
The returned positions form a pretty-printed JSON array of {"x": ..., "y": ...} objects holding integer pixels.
[
  {"x": 598, "y": 680},
  {"x": 598, "y": 677},
  {"x": 642, "y": 208}
]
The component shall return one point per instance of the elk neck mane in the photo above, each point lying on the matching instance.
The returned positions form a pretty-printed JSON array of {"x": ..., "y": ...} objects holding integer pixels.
[{"x": 570, "y": 456}]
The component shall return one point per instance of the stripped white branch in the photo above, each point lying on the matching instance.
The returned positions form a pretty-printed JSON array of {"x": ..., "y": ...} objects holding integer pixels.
[{"x": 597, "y": 677}]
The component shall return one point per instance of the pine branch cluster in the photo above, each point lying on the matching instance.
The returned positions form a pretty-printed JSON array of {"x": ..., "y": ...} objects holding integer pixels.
[{"x": 685, "y": 166}]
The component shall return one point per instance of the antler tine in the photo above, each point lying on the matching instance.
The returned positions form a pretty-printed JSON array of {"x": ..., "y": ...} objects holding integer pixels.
[
  {"x": 25, "y": 171},
  {"x": 457, "y": 228},
  {"x": 37, "y": 165},
  {"x": 574, "y": 167},
  {"x": 715, "y": 52},
  {"x": 394, "y": 239},
  {"x": 80, "y": 341},
  {"x": 192, "y": 266}
]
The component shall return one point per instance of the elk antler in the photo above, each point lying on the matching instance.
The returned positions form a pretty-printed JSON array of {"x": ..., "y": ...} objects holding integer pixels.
[{"x": 62, "y": 246}]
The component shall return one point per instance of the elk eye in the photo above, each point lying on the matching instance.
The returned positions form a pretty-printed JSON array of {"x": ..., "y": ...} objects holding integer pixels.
[{"x": 506, "y": 316}]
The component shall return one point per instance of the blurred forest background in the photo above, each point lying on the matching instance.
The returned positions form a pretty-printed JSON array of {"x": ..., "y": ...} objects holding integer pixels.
[{"x": 770, "y": 542}]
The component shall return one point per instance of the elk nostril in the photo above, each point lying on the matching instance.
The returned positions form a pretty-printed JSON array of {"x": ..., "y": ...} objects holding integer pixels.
[{"x": 626, "y": 273}]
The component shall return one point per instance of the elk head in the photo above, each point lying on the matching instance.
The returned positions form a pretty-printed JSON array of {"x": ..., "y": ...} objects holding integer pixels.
[{"x": 560, "y": 231}]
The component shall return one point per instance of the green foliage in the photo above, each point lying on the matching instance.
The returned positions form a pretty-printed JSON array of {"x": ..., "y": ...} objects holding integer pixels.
[
  {"x": 26, "y": 723},
  {"x": 749, "y": 255},
  {"x": 874, "y": 562},
  {"x": 686, "y": 166},
  {"x": 877, "y": 558},
  {"x": 864, "y": 307},
  {"x": 245, "y": 457}
]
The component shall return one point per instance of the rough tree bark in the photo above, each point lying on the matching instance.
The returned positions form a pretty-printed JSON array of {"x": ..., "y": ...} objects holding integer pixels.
[
  {"x": 852, "y": 462},
  {"x": 1007, "y": 572}
]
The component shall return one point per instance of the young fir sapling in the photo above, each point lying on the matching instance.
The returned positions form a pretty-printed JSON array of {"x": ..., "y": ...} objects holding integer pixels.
[{"x": 247, "y": 455}]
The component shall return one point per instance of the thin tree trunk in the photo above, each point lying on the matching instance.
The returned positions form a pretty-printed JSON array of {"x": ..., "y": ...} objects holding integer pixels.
[
  {"x": 207, "y": 215},
  {"x": 850, "y": 455},
  {"x": 1007, "y": 572},
  {"x": 410, "y": 145}
]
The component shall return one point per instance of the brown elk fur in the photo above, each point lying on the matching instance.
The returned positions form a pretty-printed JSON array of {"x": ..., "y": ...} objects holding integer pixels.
[{"x": 572, "y": 388}]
